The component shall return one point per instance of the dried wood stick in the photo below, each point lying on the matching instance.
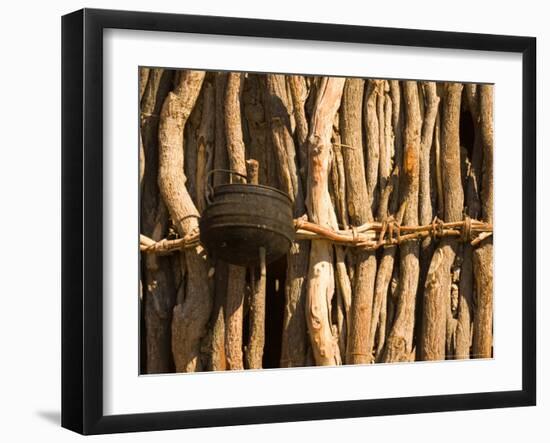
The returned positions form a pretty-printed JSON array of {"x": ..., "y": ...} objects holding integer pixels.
[
  {"x": 365, "y": 236},
  {"x": 280, "y": 110},
  {"x": 483, "y": 256},
  {"x": 399, "y": 342},
  {"x": 437, "y": 291},
  {"x": 255, "y": 347},
  {"x": 360, "y": 189},
  {"x": 190, "y": 317},
  {"x": 320, "y": 276},
  {"x": 236, "y": 274},
  {"x": 158, "y": 286}
]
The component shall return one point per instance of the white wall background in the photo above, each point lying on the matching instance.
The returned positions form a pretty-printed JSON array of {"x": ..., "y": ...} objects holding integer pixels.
[{"x": 30, "y": 218}]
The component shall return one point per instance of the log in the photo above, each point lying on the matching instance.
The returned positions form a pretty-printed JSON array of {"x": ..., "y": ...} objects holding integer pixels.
[
  {"x": 255, "y": 348},
  {"x": 378, "y": 327},
  {"x": 236, "y": 280},
  {"x": 299, "y": 92},
  {"x": 465, "y": 315},
  {"x": 282, "y": 141},
  {"x": 437, "y": 291},
  {"x": 191, "y": 316},
  {"x": 191, "y": 147},
  {"x": 320, "y": 287},
  {"x": 256, "y": 124},
  {"x": 373, "y": 140},
  {"x": 143, "y": 73},
  {"x": 359, "y": 204},
  {"x": 425, "y": 194},
  {"x": 399, "y": 344},
  {"x": 159, "y": 292},
  {"x": 218, "y": 357},
  {"x": 294, "y": 327},
  {"x": 205, "y": 144},
  {"x": 482, "y": 346}
]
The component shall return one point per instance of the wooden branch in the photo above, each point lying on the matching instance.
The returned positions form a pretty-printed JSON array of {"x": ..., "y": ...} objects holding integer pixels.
[
  {"x": 437, "y": 291},
  {"x": 483, "y": 256},
  {"x": 378, "y": 327},
  {"x": 236, "y": 274},
  {"x": 255, "y": 121},
  {"x": 351, "y": 130},
  {"x": 299, "y": 92},
  {"x": 465, "y": 315},
  {"x": 321, "y": 275},
  {"x": 385, "y": 167},
  {"x": 366, "y": 236},
  {"x": 220, "y": 150},
  {"x": 424, "y": 193},
  {"x": 360, "y": 187},
  {"x": 159, "y": 292},
  {"x": 218, "y": 358},
  {"x": 279, "y": 111},
  {"x": 338, "y": 178},
  {"x": 236, "y": 282},
  {"x": 143, "y": 78},
  {"x": 373, "y": 140},
  {"x": 282, "y": 141},
  {"x": 205, "y": 141},
  {"x": 345, "y": 295},
  {"x": 399, "y": 344},
  {"x": 255, "y": 349},
  {"x": 190, "y": 317},
  {"x": 233, "y": 124}
]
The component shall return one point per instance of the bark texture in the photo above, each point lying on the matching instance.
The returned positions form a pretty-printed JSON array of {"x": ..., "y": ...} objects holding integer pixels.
[
  {"x": 391, "y": 184},
  {"x": 399, "y": 345},
  {"x": 320, "y": 210},
  {"x": 483, "y": 256},
  {"x": 236, "y": 274},
  {"x": 438, "y": 281},
  {"x": 191, "y": 315}
]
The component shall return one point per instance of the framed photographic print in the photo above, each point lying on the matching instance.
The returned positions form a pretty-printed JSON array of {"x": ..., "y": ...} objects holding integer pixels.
[{"x": 270, "y": 221}]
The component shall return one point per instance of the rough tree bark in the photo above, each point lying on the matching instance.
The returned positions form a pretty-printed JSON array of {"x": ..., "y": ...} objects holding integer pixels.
[
  {"x": 399, "y": 344},
  {"x": 218, "y": 358},
  {"x": 255, "y": 348},
  {"x": 320, "y": 287},
  {"x": 158, "y": 285},
  {"x": 359, "y": 199},
  {"x": 255, "y": 116},
  {"x": 373, "y": 140},
  {"x": 205, "y": 141},
  {"x": 236, "y": 274},
  {"x": 425, "y": 207},
  {"x": 387, "y": 208},
  {"x": 190, "y": 317},
  {"x": 482, "y": 346},
  {"x": 366, "y": 151},
  {"x": 438, "y": 280},
  {"x": 464, "y": 327},
  {"x": 293, "y": 346},
  {"x": 299, "y": 93}
]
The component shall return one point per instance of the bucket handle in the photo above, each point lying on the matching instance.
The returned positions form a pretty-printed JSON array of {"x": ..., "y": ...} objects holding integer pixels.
[{"x": 210, "y": 189}]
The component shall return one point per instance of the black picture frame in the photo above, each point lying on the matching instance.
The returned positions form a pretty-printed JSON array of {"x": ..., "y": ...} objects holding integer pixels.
[{"x": 82, "y": 215}]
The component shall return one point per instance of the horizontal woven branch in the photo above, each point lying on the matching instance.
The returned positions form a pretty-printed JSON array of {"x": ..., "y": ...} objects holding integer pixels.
[{"x": 367, "y": 236}]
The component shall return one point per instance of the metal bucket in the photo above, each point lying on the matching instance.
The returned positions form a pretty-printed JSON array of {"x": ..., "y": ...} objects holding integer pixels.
[{"x": 242, "y": 218}]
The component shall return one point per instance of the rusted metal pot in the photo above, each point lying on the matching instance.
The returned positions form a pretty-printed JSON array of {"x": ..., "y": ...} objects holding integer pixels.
[{"x": 241, "y": 218}]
